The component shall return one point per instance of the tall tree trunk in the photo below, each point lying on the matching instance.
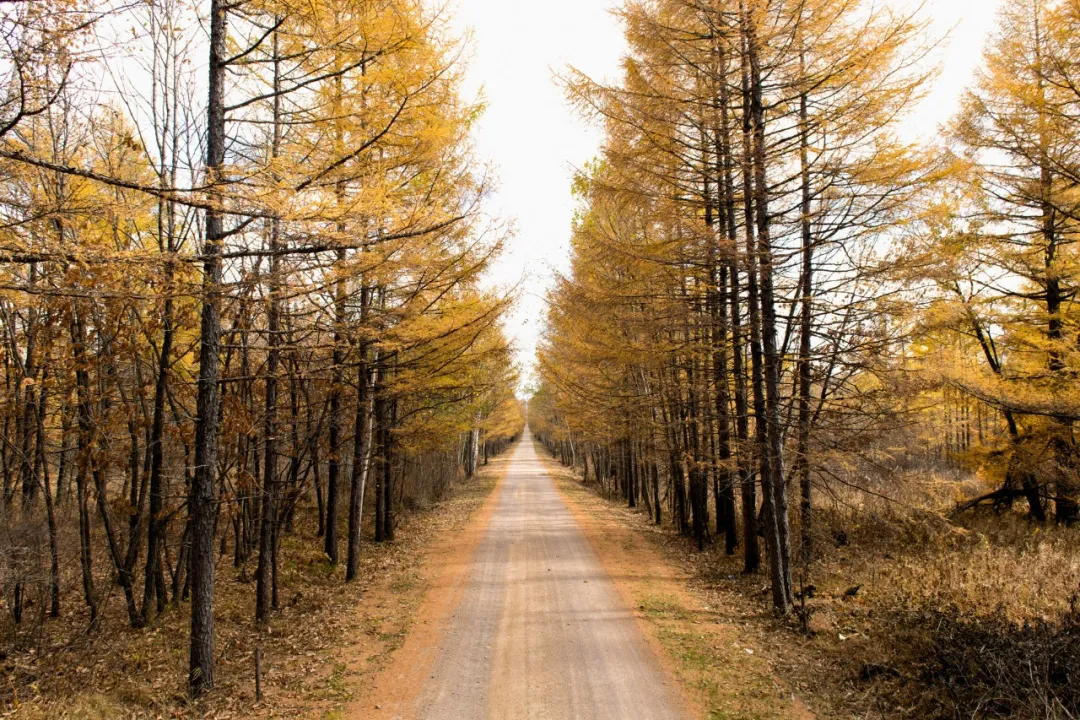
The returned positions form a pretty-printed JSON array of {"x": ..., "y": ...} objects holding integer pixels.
[
  {"x": 747, "y": 488},
  {"x": 268, "y": 515},
  {"x": 806, "y": 284},
  {"x": 754, "y": 312},
  {"x": 203, "y": 486},
  {"x": 333, "y": 467},
  {"x": 82, "y": 465},
  {"x": 780, "y": 547},
  {"x": 154, "y": 530},
  {"x": 29, "y": 402},
  {"x": 388, "y": 470},
  {"x": 725, "y": 490}
]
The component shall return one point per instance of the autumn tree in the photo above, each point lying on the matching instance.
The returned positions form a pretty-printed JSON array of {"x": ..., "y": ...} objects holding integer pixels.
[
  {"x": 227, "y": 302},
  {"x": 727, "y": 240}
]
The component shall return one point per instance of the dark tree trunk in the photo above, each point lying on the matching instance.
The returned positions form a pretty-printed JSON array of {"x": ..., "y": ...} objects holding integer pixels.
[
  {"x": 802, "y": 452},
  {"x": 155, "y": 528},
  {"x": 333, "y": 466},
  {"x": 264, "y": 580},
  {"x": 379, "y": 459},
  {"x": 752, "y": 559},
  {"x": 202, "y": 502},
  {"x": 388, "y": 471},
  {"x": 780, "y": 562}
]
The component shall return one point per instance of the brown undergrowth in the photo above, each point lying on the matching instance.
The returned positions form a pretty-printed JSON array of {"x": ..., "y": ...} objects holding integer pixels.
[
  {"x": 908, "y": 613},
  {"x": 972, "y": 616},
  {"x": 115, "y": 671}
]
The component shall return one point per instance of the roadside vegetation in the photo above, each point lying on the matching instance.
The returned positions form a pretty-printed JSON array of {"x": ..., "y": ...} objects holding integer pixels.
[{"x": 245, "y": 330}]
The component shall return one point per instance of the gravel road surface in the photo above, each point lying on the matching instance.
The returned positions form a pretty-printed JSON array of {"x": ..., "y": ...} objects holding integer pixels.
[{"x": 541, "y": 633}]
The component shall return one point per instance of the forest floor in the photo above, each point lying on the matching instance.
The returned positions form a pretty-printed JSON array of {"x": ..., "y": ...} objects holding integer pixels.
[{"x": 325, "y": 644}]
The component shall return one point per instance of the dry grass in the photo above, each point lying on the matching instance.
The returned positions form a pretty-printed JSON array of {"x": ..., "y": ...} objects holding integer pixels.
[
  {"x": 953, "y": 619},
  {"x": 908, "y": 555}
]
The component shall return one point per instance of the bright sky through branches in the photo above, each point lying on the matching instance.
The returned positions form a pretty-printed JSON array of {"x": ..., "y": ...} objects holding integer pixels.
[{"x": 537, "y": 142}]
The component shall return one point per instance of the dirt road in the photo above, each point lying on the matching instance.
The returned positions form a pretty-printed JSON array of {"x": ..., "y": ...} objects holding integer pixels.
[{"x": 540, "y": 632}]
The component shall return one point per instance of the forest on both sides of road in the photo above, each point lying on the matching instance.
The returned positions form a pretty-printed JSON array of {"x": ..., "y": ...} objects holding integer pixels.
[
  {"x": 246, "y": 335},
  {"x": 841, "y": 364}
]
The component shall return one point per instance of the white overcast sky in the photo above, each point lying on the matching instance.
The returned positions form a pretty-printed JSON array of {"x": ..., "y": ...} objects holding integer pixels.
[{"x": 535, "y": 141}]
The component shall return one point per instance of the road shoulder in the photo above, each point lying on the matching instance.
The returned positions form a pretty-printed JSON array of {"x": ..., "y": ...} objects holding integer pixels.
[
  {"x": 719, "y": 668},
  {"x": 405, "y": 615}
]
